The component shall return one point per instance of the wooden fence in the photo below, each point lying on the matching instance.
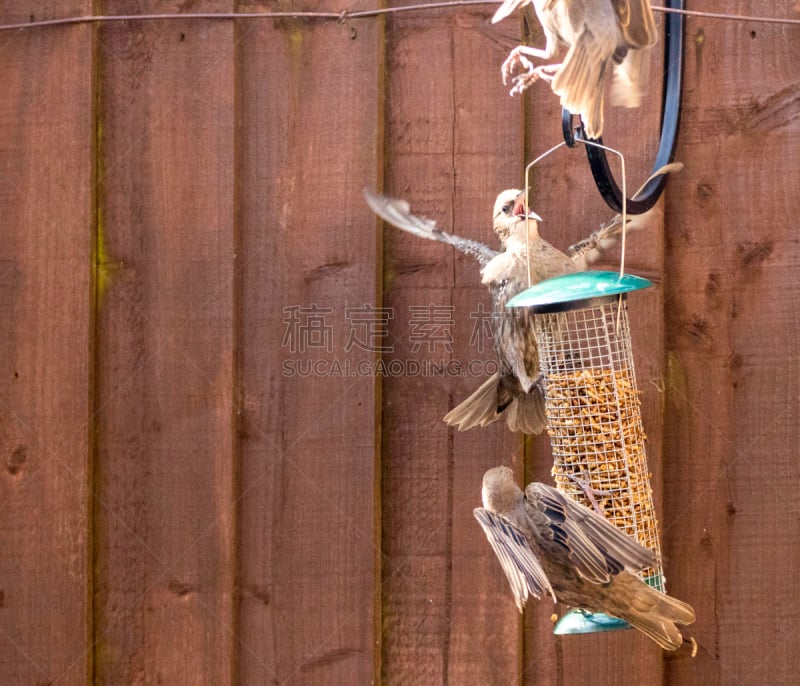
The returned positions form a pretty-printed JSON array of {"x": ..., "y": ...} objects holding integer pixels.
[{"x": 223, "y": 379}]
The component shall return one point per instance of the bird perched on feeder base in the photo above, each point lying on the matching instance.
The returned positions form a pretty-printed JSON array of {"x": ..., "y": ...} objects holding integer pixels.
[
  {"x": 550, "y": 545},
  {"x": 596, "y": 32},
  {"x": 516, "y": 387}
]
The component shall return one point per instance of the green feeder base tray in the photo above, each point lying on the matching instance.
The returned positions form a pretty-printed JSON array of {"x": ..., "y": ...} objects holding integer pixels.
[
  {"x": 585, "y": 622},
  {"x": 576, "y": 288}
]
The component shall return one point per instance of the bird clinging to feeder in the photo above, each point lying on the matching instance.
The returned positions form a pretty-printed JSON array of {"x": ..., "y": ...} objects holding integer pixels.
[
  {"x": 592, "y": 405},
  {"x": 550, "y": 545},
  {"x": 515, "y": 388},
  {"x": 597, "y": 33}
]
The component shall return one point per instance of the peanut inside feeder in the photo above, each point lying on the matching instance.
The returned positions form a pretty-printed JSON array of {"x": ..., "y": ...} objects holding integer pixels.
[{"x": 593, "y": 409}]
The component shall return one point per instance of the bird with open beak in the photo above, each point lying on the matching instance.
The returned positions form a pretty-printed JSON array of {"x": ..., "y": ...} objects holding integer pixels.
[
  {"x": 596, "y": 33},
  {"x": 550, "y": 545},
  {"x": 516, "y": 388}
]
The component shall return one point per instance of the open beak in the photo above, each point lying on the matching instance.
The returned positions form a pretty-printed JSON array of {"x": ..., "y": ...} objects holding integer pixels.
[{"x": 519, "y": 208}]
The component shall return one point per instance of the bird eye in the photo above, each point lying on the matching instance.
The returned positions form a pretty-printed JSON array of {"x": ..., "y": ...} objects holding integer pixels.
[{"x": 507, "y": 207}]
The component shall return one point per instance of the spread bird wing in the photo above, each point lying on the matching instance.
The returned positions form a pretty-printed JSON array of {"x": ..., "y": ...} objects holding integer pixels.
[
  {"x": 505, "y": 9},
  {"x": 398, "y": 213},
  {"x": 580, "y": 80},
  {"x": 595, "y": 547},
  {"x": 522, "y": 568},
  {"x": 636, "y": 22},
  {"x": 587, "y": 251}
]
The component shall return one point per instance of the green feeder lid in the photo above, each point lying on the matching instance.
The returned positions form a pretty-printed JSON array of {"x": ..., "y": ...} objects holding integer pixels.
[
  {"x": 585, "y": 622},
  {"x": 577, "y": 288}
]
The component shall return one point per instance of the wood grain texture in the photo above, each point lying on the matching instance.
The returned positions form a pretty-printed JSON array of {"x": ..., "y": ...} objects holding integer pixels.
[
  {"x": 46, "y": 202},
  {"x": 487, "y": 145},
  {"x": 309, "y": 142},
  {"x": 451, "y": 147},
  {"x": 417, "y": 461},
  {"x": 165, "y": 515},
  {"x": 732, "y": 310},
  {"x": 207, "y": 478}
]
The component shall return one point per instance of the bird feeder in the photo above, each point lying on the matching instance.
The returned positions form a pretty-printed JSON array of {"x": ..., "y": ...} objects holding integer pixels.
[{"x": 593, "y": 410}]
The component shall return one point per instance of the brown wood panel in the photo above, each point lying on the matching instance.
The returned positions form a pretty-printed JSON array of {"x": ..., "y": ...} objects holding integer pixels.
[
  {"x": 418, "y": 460},
  {"x": 487, "y": 150},
  {"x": 564, "y": 194},
  {"x": 46, "y": 204},
  {"x": 165, "y": 515},
  {"x": 451, "y": 147},
  {"x": 309, "y": 141},
  {"x": 731, "y": 302},
  {"x": 257, "y": 506}
]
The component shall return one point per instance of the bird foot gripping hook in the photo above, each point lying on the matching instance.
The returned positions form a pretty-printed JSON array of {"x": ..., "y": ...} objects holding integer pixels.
[{"x": 670, "y": 116}]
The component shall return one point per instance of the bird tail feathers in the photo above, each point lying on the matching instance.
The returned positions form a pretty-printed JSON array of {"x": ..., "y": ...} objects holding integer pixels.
[
  {"x": 579, "y": 82},
  {"x": 656, "y": 615},
  {"x": 629, "y": 82},
  {"x": 479, "y": 409},
  {"x": 492, "y": 397},
  {"x": 526, "y": 412}
]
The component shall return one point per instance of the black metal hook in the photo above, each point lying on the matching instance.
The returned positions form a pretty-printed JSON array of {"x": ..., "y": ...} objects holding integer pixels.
[{"x": 670, "y": 117}]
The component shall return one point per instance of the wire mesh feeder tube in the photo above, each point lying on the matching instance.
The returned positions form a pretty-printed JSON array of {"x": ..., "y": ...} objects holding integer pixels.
[{"x": 593, "y": 411}]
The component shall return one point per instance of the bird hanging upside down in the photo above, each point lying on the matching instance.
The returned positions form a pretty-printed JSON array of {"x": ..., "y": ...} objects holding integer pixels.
[
  {"x": 596, "y": 32},
  {"x": 550, "y": 545},
  {"x": 516, "y": 388}
]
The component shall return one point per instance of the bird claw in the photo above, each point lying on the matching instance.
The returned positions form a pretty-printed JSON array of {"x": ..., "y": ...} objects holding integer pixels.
[
  {"x": 518, "y": 61},
  {"x": 524, "y": 81},
  {"x": 514, "y": 61},
  {"x": 583, "y": 480}
]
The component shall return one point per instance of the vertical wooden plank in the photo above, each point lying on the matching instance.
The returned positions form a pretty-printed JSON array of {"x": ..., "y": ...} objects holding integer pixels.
[
  {"x": 417, "y": 452},
  {"x": 417, "y": 456},
  {"x": 487, "y": 157},
  {"x": 451, "y": 147},
  {"x": 165, "y": 561},
  {"x": 564, "y": 194},
  {"x": 46, "y": 200},
  {"x": 310, "y": 322},
  {"x": 732, "y": 306}
]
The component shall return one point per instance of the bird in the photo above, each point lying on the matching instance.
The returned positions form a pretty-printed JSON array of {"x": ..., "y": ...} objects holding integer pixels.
[
  {"x": 516, "y": 388},
  {"x": 596, "y": 33},
  {"x": 548, "y": 544}
]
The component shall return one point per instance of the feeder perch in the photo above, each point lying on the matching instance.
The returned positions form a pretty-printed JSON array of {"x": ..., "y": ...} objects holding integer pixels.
[{"x": 593, "y": 410}]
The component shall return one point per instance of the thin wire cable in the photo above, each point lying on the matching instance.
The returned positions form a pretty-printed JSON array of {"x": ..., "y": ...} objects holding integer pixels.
[
  {"x": 624, "y": 197},
  {"x": 527, "y": 206},
  {"x": 337, "y": 16},
  {"x": 624, "y": 210},
  {"x": 721, "y": 15},
  {"x": 346, "y": 14}
]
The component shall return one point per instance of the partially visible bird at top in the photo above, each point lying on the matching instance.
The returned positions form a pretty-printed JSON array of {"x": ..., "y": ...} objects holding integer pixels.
[
  {"x": 516, "y": 388},
  {"x": 596, "y": 33},
  {"x": 550, "y": 545}
]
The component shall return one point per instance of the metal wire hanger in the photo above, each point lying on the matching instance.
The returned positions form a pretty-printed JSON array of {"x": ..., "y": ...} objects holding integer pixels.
[{"x": 670, "y": 116}]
